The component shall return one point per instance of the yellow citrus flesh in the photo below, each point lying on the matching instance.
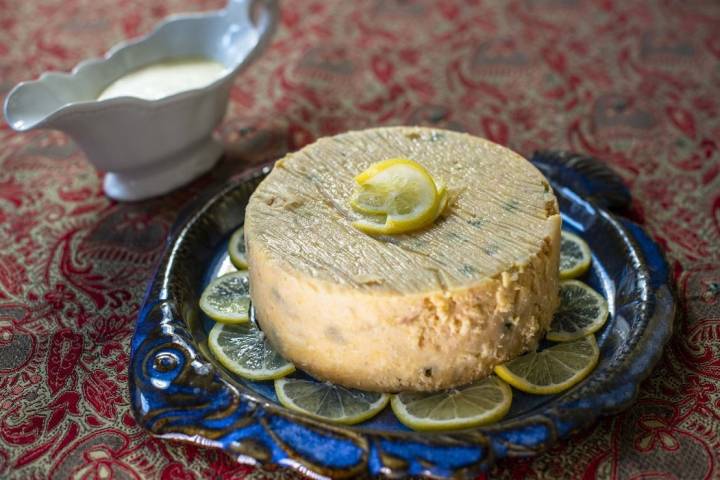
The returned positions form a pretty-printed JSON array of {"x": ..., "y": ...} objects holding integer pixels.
[
  {"x": 395, "y": 196},
  {"x": 325, "y": 401},
  {"x": 582, "y": 311},
  {"x": 245, "y": 351},
  {"x": 575, "y": 256},
  {"x": 227, "y": 298},
  {"x": 236, "y": 249},
  {"x": 552, "y": 370},
  {"x": 480, "y": 403}
]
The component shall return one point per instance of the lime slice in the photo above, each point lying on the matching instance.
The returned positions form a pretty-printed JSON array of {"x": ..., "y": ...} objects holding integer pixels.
[
  {"x": 227, "y": 298},
  {"x": 582, "y": 311},
  {"x": 575, "y": 256},
  {"x": 553, "y": 370},
  {"x": 236, "y": 249},
  {"x": 480, "y": 403},
  {"x": 399, "y": 189},
  {"x": 245, "y": 351},
  {"x": 325, "y": 401}
]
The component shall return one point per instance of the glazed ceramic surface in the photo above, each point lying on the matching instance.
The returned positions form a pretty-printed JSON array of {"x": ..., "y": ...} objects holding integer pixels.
[
  {"x": 148, "y": 147},
  {"x": 179, "y": 392}
]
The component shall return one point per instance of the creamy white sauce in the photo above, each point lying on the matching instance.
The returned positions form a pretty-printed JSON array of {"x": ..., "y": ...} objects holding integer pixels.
[{"x": 167, "y": 78}]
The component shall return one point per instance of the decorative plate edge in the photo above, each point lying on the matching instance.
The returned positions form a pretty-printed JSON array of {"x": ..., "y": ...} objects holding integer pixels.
[{"x": 257, "y": 432}]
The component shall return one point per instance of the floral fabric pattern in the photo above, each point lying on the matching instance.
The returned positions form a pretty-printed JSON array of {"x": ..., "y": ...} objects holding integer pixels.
[{"x": 634, "y": 83}]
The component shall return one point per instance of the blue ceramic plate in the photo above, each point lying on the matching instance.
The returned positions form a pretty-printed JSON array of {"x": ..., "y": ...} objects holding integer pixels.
[{"x": 179, "y": 392}]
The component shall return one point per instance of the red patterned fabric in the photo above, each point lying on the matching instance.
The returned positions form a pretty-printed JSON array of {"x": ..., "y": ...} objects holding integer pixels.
[{"x": 636, "y": 83}]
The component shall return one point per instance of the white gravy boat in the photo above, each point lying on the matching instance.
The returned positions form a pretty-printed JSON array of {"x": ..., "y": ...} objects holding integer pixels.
[{"x": 149, "y": 147}]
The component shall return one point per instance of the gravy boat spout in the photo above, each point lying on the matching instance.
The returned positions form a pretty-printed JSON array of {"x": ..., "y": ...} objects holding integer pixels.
[
  {"x": 149, "y": 147},
  {"x": 39, "y": 104}
]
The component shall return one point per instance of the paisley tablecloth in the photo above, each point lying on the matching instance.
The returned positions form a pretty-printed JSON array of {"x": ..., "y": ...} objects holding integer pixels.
[{"x": 635, "y": 83}]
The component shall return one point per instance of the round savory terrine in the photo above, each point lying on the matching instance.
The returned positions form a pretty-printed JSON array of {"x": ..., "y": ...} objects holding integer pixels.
[{"x": 426, "y": 310}]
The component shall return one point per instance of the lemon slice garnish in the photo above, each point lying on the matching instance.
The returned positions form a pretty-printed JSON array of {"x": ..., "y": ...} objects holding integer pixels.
[
  {"x": 378, "y": 224},
  {"x": 395, "y": 196},
  {"x": 245, "y": 351},
  {"x": 552, "y": 370},
  {"x": 582, "y": 311},
  {"x": 236, "y": 249},
  {"x": 325, "y": 401},
  {"x": 575, "y": 256},
  {"x": 443, "y": 199},
  {"x": 227, "y": 299},
  {"x": 480, "y": 403}
]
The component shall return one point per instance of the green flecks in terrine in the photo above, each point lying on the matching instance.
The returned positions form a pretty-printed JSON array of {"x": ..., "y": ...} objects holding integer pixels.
[
  {"x": 476, "y": 222},
  {"x": 510, "y": 205},
  {"x": 469, "y": 270}
]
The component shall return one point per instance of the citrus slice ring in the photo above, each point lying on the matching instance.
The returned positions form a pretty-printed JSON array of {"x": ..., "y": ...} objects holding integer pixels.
[
  {"x": 552, "y": 370},
  {"x": 236, "y": 249},
  {"x": 378, "y": 224},
  {"x": 395, "y": 196},
  {"x": 244, "y": 350},
  {"x": 227, "y": 298},
  {"x": 325, "y": 401},
  {"x": 575, "y": 256},
  {"x": 480, "y": 403},
  {"x": 582, "y": 311}
]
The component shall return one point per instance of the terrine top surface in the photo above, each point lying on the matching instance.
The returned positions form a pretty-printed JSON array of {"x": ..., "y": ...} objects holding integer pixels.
[{"x": 497, "y": 218}]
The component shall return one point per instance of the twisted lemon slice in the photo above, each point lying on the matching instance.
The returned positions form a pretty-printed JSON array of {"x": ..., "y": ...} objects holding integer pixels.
[{"x": 396, "y": 196}]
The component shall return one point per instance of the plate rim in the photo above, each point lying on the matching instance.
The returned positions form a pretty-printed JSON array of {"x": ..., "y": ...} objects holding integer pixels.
[{"x": 162, "y": 345}]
